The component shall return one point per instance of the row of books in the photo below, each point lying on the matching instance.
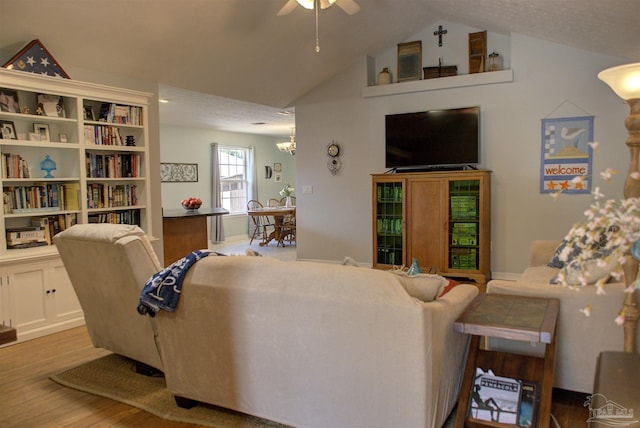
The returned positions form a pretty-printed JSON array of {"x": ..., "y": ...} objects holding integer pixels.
[
  {"x": 14, "y": 166},
  {"x": 110, "y": 196},
  {"x": 43, "y": 197},
  {"x": 463, "y": 258},
  {"x": 121, "y": 114},
  {"x": 464, "y": 234},
  {"x": 41, "y": 231},
  {"x": 103, "y": 135},
  {"x": 463, "y": 206},
  {"x": 113, "y": 165},
  {"x": 503, "y": 399},
  {"x": 118, "y": 217}
]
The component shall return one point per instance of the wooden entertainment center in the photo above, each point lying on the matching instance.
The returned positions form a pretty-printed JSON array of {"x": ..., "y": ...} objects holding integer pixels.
[{"x": 441, "y": 218}]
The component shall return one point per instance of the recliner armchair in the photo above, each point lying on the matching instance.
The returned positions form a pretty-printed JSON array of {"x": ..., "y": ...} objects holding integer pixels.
[{"x": 108, "y": 265}]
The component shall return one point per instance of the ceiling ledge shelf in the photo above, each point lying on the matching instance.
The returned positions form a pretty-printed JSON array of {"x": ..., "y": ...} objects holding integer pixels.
[{"x": 476, "y": 79}]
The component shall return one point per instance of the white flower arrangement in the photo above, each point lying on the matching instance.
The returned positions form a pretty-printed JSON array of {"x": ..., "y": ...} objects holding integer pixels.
[
  {"x": 287, "y": 190},
  {"x": 609, "y": 235}
]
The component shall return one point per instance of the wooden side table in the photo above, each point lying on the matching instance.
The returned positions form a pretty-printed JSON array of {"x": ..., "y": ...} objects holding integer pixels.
[{"x": 522, "y": 318}]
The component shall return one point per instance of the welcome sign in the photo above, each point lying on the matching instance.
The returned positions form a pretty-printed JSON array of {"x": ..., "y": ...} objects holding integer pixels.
[{"x": 566, "y": 154}]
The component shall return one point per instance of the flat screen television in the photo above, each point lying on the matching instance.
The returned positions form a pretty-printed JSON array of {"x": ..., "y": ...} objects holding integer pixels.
[{"x": 432, "y": 139}]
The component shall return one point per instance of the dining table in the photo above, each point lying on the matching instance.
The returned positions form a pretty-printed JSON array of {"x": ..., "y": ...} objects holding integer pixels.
[{"x": 279, "y": 214}]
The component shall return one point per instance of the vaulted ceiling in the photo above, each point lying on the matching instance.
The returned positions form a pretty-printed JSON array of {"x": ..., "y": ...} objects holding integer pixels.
[{"x": 200, "y": 50}]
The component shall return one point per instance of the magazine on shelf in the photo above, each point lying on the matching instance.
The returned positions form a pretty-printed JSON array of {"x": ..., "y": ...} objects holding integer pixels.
[{"x": 495, "y": 398}]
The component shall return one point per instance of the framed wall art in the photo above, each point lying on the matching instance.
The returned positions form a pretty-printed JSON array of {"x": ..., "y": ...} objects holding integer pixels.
[
  {"x": 566, "y": 154},
  {"x": 178, "y": 172}
]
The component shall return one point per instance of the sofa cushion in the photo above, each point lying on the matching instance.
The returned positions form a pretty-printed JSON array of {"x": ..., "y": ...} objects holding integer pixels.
[{"x": 425, "y": 287}]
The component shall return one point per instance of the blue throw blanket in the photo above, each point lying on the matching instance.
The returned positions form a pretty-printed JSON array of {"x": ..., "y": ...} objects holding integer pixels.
[{"x": 162, "y": 290}]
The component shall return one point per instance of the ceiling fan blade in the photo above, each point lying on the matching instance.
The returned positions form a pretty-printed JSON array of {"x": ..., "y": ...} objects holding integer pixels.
[
  {"x": 288, "y": 8},
  {"x": 349, "y": 6}
]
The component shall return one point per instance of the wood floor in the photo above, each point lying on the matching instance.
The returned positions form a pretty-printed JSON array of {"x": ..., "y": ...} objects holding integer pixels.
[{"x": 30, "y": 399}]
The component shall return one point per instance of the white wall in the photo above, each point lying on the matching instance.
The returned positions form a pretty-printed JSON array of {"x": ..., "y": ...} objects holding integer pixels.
[
  {"x": 189, "y": 145},
  {"x": 550, "y": 80}
]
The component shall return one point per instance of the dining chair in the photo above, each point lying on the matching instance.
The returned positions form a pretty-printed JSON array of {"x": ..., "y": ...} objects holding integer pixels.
[
  {"x": 273, "y": 202},
  {"x": 260, "y": 222},
  {"x": 288, "y": 229},
  {"x": 283, "y": 201}
]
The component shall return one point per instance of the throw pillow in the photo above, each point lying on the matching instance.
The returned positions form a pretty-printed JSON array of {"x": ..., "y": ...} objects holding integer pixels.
[
  {"x": 592, "y": 271},
  {"x": 424, "y": 287},
  {"x": 567, "y": 251},
  {"x": 452, "y": 283}
]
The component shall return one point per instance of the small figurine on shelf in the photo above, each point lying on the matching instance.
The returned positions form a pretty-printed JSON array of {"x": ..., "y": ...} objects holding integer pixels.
[
  {"x": 130, "y": 140},
  {"x": 48, "y": 165},
  {"x": 25, "y": 110}
]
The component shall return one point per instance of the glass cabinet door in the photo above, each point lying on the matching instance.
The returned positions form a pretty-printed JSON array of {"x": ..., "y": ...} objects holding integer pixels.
[
  {"x": 464, "y": 225},
  {"x": 389, "y": 223}
]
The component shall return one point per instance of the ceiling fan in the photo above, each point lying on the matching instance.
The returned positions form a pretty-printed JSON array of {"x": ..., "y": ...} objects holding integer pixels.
[{"x": 349, "y": 6}]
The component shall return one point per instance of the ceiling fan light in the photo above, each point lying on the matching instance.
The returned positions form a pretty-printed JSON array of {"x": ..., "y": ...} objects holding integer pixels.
[
  {"x": 307, "y": 4},
  {"x": 326, "y": 3}
]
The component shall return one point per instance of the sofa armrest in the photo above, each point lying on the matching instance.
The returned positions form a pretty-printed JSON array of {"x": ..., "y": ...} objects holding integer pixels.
[{"x": 541, "y": 251}]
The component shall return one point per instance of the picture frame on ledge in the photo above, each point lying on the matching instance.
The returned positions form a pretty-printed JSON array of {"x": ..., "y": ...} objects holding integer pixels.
[
  {"x": 409, "y": 61},
  {"x": 8, "y": 130},
  {"x": 42, "y": 129}
]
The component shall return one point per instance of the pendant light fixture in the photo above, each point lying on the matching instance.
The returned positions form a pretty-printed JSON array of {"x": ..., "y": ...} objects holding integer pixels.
[{"x": 289, "y": 146}]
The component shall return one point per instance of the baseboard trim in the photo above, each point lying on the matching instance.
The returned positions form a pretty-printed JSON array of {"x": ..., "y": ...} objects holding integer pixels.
[{"x": 505, "y": 276}]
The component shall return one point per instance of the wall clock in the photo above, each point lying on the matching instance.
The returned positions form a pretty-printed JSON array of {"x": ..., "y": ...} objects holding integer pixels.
[{"x": 333, "y": 163}]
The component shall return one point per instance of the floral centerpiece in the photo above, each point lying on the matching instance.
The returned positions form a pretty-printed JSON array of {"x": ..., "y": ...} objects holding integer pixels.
[
  {"x": 603, "y": 244},
  {"x": 286, "y": 191}
]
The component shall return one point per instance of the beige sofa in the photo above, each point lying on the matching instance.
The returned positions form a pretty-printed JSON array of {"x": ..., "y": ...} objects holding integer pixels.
[
  {"x": 301, "y": 343},
  {"x": 580, "y": 339},
  {"x": 313, "y": 345}
]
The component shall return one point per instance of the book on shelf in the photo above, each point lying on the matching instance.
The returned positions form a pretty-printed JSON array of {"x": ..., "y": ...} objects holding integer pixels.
[
  {"x": 25, "y": 237},
  {"x": 495, "y": 398},
  {"x": 72, "y": 196},
  {"x": 120, "y": 114}
]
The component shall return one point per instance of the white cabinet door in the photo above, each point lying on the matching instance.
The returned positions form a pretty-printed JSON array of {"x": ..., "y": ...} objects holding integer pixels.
[
  {"x": 29, "y": 295},
  {"x": 65, "y": 302},
  {"x": 37, "y": 298}
]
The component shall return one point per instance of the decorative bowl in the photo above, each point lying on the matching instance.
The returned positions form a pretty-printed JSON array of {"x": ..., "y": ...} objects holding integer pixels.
[{"x": 191, "y": 203}]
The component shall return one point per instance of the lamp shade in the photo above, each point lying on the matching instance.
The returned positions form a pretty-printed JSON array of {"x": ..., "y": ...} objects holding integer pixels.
[{"x": 624, "y": 80}]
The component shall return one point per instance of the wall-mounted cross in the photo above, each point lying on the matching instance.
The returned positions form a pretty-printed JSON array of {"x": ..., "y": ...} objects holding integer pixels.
[{"x": 439, "y": 33}]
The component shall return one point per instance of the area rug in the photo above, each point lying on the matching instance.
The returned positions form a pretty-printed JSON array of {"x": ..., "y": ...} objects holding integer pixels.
[{"x": 113, "y": 376}]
